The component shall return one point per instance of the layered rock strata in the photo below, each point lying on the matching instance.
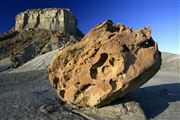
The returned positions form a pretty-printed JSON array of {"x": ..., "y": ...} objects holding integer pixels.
[
  {"x": 36, "y": 32},
  {"x": 61, "y": 20}
]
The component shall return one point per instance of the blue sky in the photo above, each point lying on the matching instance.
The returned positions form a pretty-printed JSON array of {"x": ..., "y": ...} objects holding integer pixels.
[{"x": 163, "y": 16}]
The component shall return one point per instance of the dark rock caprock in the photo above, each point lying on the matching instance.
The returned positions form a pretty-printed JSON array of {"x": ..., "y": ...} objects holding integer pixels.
[{"x": 110, "y": 61}]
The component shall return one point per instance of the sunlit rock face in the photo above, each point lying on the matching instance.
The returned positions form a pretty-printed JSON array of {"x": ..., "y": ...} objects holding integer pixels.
[
  {"x": 36, "y": 32},
  {"x": 109, "y": 62},
  {"x": 60, "y": 19}
]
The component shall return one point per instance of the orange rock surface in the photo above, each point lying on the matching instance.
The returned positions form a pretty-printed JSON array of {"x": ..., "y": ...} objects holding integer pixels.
[{"x": 110, "y": 61}]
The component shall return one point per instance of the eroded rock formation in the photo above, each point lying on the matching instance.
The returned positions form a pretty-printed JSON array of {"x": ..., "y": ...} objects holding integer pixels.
[
  {"x": 110, "y": 61},
  {"x": 36, "y": 32},
  {"x": 61, "y": 20}
]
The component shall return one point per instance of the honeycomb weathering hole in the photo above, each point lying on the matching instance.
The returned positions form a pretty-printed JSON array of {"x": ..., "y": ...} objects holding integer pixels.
[
  {"x": 111, "y": 61},
  {"x": 148, "y": 43},
  {"x": 99, "y": 63},
  {"x": 55, "y": 81},
  {"x": 61, "y": 93},
  {"x": 113, "y": 84},
  {"x": 93, "y": 72},
  {"x": 81, "y": 90}
]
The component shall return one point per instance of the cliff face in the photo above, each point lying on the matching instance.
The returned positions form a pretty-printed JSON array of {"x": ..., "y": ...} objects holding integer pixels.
[
  {"x": 61, "y": 20},
  {"x": 36, "y": 32}
]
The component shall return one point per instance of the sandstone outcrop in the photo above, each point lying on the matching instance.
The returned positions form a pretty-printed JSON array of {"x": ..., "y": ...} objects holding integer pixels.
[
  {"x": 61, "y": 20},
  {"x": 110, "y": 61},
  {"x": 36, "y": 32}
]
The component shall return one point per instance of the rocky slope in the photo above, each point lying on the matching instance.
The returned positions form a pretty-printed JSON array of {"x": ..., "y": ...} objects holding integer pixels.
[
  {"x": 37, "y": 32},
  {"x": 171, "y": 63}
]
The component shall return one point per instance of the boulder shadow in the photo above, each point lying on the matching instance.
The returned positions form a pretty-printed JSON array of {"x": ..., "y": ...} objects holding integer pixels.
[{"x": 153, "y": 99}]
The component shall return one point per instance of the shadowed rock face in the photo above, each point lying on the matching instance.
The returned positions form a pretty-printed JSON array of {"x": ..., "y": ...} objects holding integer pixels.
[{"x": 110, "y": 61}]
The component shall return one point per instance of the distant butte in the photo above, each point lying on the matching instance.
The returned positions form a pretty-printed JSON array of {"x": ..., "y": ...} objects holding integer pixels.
[
  {"x": 61, "y": 20},
  {"x": 36, "y": 32}
]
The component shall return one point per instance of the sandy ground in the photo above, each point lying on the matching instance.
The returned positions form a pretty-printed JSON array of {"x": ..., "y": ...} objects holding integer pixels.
[
  {"x": 25, "y": 93},
  {"x": 160, "y": 97},
  {"x": 28, "y": 95}
]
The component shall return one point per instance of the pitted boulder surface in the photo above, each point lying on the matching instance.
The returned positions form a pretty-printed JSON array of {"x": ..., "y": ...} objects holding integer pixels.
[{"x": 110, "y": 61}]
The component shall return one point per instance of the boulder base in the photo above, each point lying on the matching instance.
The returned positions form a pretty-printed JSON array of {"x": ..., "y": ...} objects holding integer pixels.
[{"x": 110, "y": 61}]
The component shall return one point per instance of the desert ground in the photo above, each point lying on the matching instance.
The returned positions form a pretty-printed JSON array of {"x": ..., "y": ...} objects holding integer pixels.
[{"x": 25, "y": 93}]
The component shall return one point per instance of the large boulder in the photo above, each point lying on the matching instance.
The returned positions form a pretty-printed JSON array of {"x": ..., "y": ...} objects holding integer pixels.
[{"x": 110, "y": 61}]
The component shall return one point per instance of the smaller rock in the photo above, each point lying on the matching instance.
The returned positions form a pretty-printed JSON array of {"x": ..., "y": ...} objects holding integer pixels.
[
  {"x": 118, "y": 110},
  {"x": 5, "y": 64},
  {"x": 48, "y": 109}
]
